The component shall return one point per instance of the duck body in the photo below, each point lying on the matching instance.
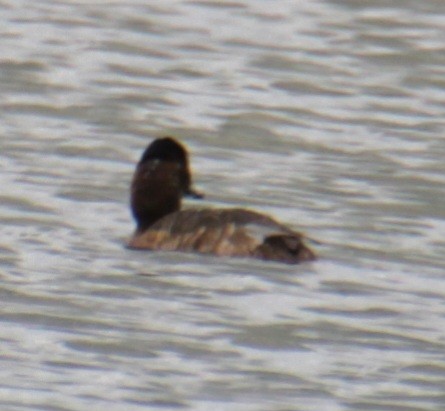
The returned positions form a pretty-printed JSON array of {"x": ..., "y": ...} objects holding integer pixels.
[
  {"x": 162, "y": 178},
  {"x": 232, "y": 232}
]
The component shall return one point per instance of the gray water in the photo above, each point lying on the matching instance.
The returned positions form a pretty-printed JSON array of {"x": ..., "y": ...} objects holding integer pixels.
[{"x": 328, "y": 115}]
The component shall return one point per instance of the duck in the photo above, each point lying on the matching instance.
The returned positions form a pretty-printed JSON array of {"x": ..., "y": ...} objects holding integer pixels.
[{"x": 163, "y": 178}]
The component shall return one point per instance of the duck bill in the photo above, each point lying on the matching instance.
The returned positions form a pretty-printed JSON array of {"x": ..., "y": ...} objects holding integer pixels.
[{"x": 192, "y": 193}]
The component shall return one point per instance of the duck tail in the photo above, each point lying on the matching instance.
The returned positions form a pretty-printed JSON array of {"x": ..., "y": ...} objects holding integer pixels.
[{"x": 287, "y": 248}]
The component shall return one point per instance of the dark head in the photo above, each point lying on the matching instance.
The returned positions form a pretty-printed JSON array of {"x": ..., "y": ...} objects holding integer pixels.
[
  {"x": 161, "y": 179},
  {"x": 165, "y": 149}
]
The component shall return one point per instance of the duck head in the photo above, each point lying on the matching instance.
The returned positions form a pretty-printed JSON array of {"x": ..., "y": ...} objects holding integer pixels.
[{"x": 161, "y": 179}]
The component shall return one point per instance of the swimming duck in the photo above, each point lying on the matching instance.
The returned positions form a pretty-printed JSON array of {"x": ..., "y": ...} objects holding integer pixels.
[{"x": 163, "y": 177}]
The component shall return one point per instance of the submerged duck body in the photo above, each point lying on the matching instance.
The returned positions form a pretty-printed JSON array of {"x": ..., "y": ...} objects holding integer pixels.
[{"x": 162, "y": 178}]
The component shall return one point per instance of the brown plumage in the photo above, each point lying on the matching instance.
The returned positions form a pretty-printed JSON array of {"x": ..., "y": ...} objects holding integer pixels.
[{"x": 162, "y": 178}]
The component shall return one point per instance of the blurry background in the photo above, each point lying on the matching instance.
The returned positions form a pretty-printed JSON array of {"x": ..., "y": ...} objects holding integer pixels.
[{"x": 326, "y": 114}]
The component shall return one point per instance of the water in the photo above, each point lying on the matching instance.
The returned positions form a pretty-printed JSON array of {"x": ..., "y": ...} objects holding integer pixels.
[{"x": 326, "y": 114}]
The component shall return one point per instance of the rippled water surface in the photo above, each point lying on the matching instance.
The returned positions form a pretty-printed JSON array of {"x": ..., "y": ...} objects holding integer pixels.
[{"x": 327, "y": 115}]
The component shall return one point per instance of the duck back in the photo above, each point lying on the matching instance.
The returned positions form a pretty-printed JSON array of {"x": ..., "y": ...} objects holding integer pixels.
[{"x": 224, "y": 232}]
